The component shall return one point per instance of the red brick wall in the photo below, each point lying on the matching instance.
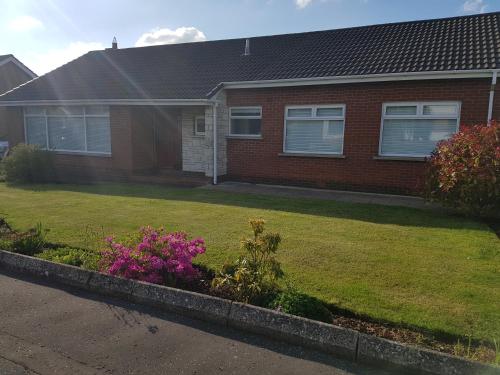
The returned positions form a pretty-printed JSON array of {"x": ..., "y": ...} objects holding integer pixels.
[{"x": 259, "y": 160}]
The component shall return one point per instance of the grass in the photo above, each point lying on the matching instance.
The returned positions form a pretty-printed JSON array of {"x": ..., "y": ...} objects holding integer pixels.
[{"x": 406, "y": 266}]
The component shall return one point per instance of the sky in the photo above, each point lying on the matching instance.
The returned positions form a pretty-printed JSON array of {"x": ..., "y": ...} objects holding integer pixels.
[{"x": 45, "y": 34}]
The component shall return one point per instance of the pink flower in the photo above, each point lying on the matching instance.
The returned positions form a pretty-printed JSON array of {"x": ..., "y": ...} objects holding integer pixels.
[{"x": 155, "y": 257}]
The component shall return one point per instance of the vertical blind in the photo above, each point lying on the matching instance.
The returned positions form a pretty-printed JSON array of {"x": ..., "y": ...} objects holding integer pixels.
[
  {"x": 315, "y": 130},
  {"x": 414, "y": 130},
  {"x": 77, "y": 129}
]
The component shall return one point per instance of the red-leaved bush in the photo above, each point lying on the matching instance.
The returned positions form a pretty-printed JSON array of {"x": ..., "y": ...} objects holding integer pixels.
[{"x": 464, "y": 171}]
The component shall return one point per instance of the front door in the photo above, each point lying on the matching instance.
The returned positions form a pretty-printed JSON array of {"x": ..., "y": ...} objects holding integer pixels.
[{"x": 168, "y": 139}]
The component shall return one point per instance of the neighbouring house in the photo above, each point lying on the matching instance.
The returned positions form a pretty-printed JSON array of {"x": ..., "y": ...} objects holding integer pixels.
[
  {"x": 357, "y": 108},
  {"x": 12, "y": 74}
]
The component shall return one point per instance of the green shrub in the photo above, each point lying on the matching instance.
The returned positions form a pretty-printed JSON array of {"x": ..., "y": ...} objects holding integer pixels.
[
  {"x": 28, "y": 164},
  {"x": 5, "y": 228},
  {"x": 5, "y": 244},
  {"x": 464, "y": 171},
  {"x": 30, "y": 242},
  {"x": 253, "y": 277},
  {"x": 293, "y": 302},
  {"x": 73, "y": 256}
]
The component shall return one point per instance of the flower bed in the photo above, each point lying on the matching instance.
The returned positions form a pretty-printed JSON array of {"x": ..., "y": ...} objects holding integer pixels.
[{"x": 156, "y": 256}]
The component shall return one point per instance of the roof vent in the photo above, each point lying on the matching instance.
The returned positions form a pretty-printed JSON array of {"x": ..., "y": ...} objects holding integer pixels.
[
  {"x": 247, "y": 47},
  {"x": 114, "y": 44}
]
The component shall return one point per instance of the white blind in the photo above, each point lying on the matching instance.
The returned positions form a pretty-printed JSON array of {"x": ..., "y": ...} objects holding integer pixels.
[
  {"x": 98, "y": 134},
  {"x": 36, "y": 131},
  {"x": 71, "y": 128},
  {"x": 414, "y": 137},
  {"x": 66, "y": 133},
  {"x": 322, "y": 132}
]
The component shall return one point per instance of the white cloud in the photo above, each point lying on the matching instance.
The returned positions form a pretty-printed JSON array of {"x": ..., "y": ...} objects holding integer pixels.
[
  {"x": 301, "y": 4},
  {"x": 25, "y": 23},
  {"x": 167, "y": 36},
  {"x": 48, "y": 61},
  {"x": 474, "y": 6}
]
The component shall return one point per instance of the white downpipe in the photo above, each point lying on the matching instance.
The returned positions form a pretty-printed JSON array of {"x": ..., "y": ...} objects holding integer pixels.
[
  {"x": 214, "y": 128},
  {"x": 492, "y": 95}
]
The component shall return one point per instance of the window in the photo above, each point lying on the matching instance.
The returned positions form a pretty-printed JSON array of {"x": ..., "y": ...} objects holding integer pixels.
[
  {"x": 414, "y": 129},
  {"x": 245, "y": 121},
  {"x": 70, "y": 129},
  {"x": 199, "y": 125},
  {"x": 314, "y": 129}
]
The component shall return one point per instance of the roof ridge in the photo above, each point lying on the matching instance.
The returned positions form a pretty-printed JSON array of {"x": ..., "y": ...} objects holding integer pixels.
[{"x": 427, "y": 20}]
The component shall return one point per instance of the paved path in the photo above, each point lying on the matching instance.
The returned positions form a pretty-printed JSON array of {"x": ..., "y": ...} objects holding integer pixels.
[
  {"x": 50, "y": 329},
  {"x": 336, "y": 195}
]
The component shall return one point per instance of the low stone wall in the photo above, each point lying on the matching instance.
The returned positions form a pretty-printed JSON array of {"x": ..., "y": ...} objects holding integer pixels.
[{"x": 338, "y": 341}]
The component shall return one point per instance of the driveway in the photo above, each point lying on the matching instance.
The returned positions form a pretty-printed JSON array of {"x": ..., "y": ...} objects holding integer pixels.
[{"x": 50, "y": 329}]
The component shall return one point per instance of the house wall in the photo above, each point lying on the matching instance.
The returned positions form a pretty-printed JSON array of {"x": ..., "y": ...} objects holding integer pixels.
[
  {"x": 259, "y": 160},
  {"x": 195, "y": 148},
  {"x": 10, "y": 76},
  {"x": 197, "y": 151}
]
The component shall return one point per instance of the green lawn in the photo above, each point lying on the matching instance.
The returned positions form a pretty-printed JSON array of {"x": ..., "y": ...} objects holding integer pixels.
[{"x": 402, "y": 265}]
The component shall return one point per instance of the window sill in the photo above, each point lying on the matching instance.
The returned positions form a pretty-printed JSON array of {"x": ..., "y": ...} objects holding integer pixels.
[
  {"x": 401, "y": 158},
  {"x": 79, "y": 153},
  {"x": 244, "y": 137},
  {"x": 306, "y": 155}
]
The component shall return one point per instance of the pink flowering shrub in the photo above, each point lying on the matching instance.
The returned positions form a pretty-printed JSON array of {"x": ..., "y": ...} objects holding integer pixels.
[{"x": 156, "y": 257}]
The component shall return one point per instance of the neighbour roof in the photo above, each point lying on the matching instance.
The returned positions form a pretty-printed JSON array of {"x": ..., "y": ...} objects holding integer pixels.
[
  {"x": 6, "y": 58},
  {"x": 192, "y": 70}
]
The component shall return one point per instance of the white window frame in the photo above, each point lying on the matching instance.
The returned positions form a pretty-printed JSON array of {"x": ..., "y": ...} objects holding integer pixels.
[
  {"x": 196, "y": 132},
  {"x": 314, "y": 109},
  {"x": 245, "y": 117},
  {"x": 419, "y": 115},
  {"x": 84, "y": 115}
]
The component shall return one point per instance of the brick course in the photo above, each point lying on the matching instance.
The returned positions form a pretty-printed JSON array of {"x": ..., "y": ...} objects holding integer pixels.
[{"x": 259, "y": 160}]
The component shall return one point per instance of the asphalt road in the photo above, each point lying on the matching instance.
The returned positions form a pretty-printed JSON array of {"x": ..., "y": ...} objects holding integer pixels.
[{"x": 50, "y": 329}]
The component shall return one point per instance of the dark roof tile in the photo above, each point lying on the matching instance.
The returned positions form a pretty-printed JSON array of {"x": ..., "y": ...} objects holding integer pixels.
[{"x": 192, "y": 70}]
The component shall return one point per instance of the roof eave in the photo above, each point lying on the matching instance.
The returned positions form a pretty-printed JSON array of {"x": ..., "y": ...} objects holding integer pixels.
[
  {"x": 125, "y": 102},
  {"x": 332, "y": 80}
]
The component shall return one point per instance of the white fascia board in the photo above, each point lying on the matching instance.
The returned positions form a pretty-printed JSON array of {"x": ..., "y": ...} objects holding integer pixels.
[
  {"x": 20, "y": 65},
  {"x": 125, "y": 102},
  {"x": 456, "y": 74}
]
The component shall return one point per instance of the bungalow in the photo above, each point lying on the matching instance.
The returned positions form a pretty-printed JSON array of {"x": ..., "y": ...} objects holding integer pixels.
[{"x": 356, "y": 108}]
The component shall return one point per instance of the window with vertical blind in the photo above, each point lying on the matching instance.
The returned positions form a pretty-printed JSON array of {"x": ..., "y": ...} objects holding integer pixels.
[
  {"x": 414, "y": 129},
  {"x": 70, "y": 129},
  {"x": 314, "y": 129}
]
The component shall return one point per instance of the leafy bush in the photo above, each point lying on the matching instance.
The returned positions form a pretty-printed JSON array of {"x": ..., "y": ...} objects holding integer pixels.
[
  {"x": 30, "y": 242},
  {"x": 28, "y": 164},
  {"x": 5, "y": 244},
  {"x": 157, "y": 257},
  {"x": 464, "y": 171},
  {"x": 5, "y": 228},
  {"x": 76, "y": 257},
  {"x": 292, "y": 301},
  {"x": 252, "y": 278}
]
